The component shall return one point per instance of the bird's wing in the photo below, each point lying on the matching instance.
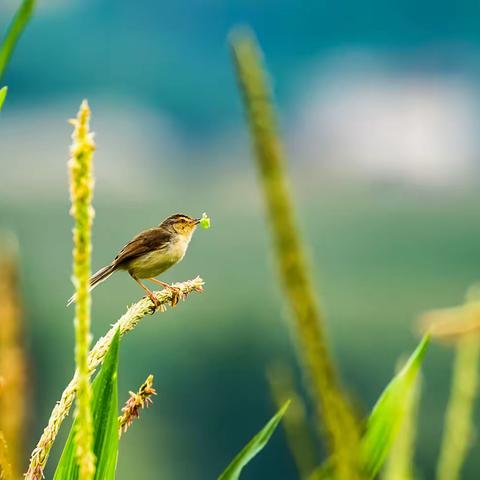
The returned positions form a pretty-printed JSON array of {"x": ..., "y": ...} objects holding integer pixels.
[{"x": 147, "y": 241}]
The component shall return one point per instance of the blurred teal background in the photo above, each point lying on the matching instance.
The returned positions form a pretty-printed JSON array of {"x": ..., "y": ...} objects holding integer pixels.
[{"x": 379, "y": 109}]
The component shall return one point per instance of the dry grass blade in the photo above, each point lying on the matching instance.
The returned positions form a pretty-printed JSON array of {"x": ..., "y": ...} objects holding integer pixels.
[{"x": 452, "y": 324}]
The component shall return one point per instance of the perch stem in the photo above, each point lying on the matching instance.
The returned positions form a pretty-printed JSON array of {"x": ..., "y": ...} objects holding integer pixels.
[{"x": 126, "y": 323}]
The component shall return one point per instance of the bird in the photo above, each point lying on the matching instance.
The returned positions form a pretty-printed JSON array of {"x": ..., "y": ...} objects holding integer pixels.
[{"x": 151, "y": 253}]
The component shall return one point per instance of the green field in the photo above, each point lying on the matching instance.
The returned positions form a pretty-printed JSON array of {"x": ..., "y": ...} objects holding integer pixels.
[{"x": 381, "y": 257}]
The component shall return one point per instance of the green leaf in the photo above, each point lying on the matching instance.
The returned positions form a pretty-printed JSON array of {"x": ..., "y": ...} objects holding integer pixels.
[
  {"x": 3, "y": 94},
  {"x": 388, "y": 414},
  {"x": 256, "y": 444},
  {"x": 15, "y": 29},
  {"x": 105, "y": 423}
]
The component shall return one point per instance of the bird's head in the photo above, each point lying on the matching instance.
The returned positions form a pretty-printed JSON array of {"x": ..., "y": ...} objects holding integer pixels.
[{"x": 181, "y": 224}]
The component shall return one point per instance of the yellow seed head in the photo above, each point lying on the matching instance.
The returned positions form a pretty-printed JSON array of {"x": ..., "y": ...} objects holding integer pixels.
[{"x": 81, "y": 194}]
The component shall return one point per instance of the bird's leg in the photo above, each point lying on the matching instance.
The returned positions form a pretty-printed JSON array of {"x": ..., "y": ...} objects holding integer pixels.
[
  {"x": 150, "y": 294},
  {"x": 175, "y": 291},
  {"x": 163, "y": 284}
]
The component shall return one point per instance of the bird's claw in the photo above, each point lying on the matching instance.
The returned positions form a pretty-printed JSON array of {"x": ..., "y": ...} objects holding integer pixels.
[
  {"x": 176, "y": 295},
  {"x": 156, "y": 302}
]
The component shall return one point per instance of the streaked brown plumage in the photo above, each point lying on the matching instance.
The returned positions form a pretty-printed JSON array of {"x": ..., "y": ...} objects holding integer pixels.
[{"x": 151, "y": 253}]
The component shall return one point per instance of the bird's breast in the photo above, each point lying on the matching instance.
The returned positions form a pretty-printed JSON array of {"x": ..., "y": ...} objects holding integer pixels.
[
  {"x": 156, "y": 262},
  {"x": 177, "y": 248}
]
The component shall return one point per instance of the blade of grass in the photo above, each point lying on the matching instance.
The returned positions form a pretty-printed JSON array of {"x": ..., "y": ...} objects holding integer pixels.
[
  {"x": 386, "y": 418},
  {"x": 105, "y": 423},
  {"x": 340, "y": 426},
  {"x": 14, "y": 31},
  {"x": 388, "y": 413},
  {"x": 253, "y": 447},
  {"x": 400, "y": 461},
  {"x": 3, "y": 95}
]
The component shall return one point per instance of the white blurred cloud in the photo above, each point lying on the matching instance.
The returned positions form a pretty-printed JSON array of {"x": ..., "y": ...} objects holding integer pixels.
[
  {"x": 134, "y": 149},
  {"x": 358, "y": 115}
]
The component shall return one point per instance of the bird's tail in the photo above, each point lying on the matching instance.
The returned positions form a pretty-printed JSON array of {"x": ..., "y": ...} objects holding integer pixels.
[{"x": 96, "y": 279}]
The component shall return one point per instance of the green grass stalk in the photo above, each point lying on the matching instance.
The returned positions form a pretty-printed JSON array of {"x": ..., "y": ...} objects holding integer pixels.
[
  {"x": 81, "y": 194},
  {"x": 295, "y": 422},
  {"x": 125, "y": 324},
  {"x": 459, "y": 428},
  {"x": 340, "y": 424},
  {"x": 14, "y": 31}
]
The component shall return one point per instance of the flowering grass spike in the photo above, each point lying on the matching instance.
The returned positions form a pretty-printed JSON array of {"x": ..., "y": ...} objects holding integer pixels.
[
  {"x": 135, "y": 403},
  {"x": 81, "y": 194}
]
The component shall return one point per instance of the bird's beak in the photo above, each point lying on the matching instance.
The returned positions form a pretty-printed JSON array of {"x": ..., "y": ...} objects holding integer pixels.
[{"x": 197, "y": 220}]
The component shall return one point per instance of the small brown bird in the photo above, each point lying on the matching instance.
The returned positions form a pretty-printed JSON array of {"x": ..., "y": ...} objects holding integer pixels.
[{"x": 151, "y": 253}]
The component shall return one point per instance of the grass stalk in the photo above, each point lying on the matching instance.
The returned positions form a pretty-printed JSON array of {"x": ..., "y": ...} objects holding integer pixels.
[
  {"x": 14, "y": 31},
  {"x": 459, "y": 429},
  {"x": 125, "y": 324},
  {"x": 13, "y": 358},
  {"x": 295, "y": 422},
  {"x": 81, "y": 194},
  {"x": 5, "y": 463},
  {"x": 339, "y": 422},
  {"x": 459, "y": 325}
]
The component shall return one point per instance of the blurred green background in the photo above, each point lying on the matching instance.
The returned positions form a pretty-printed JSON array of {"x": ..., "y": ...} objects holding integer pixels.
[{"x": 379, "y": 108}]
